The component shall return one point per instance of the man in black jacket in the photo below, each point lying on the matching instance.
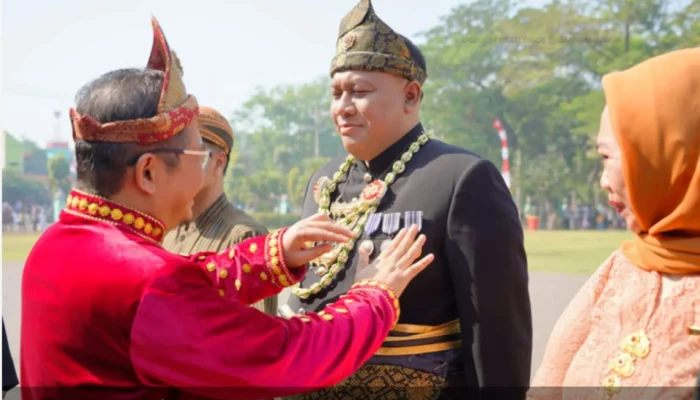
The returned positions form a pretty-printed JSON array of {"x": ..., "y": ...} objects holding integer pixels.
[
  {"x": 9, "y": 375},
  {"x": 466, "y": 325}
]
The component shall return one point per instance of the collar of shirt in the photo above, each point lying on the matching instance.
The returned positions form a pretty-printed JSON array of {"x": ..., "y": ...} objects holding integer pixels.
[{"x": 379, "y": 166}]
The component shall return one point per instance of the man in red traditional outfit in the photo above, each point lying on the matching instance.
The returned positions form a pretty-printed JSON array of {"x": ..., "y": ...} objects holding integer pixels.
[{"x": 107, "y": 313}]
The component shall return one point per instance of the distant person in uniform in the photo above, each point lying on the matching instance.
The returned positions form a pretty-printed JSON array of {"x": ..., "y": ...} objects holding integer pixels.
[
  {"x": 466, "y": 325},
  {"x": 9, "y": 374},
  {"x": 217, "y": 223}
]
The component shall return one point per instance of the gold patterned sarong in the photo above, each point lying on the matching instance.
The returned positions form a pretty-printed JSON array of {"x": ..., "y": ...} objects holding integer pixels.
[{"x": 393, "y": 382}]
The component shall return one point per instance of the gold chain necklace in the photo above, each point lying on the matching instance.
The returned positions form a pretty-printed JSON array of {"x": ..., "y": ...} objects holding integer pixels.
[{"x": 352, "y": 215}]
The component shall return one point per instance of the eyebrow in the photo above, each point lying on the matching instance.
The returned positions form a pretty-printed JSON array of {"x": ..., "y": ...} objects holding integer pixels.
[{"x": 352, "y": 82}]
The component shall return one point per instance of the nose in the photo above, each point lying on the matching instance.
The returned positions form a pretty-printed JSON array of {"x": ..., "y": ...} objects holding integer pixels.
[
  {"x": 345, "y": 106},
  {"x": 604, "y": 181}
]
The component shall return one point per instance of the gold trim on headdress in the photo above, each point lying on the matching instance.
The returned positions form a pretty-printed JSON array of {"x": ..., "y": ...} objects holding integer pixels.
[
  {"x": 365, "y": 42},
  {"x": 215, "y": 128},
  {"x": 176, "y": 109}
]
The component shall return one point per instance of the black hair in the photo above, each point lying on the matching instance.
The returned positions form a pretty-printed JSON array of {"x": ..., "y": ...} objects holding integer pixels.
[
  {"x": 121, "y": 95},
  {"x": 417, "y": 57},
  {"x": 228, "y": 155}
]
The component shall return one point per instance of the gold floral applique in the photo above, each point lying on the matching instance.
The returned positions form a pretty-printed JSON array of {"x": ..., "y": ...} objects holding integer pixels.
[{"x": 634, "y": 346}]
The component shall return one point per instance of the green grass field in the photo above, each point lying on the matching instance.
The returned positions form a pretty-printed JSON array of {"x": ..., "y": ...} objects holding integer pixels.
[{"x": 552, "y": 251}]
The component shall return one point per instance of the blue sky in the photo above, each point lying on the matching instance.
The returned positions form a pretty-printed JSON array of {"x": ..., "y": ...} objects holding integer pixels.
[{"x": 50, "y": 48}]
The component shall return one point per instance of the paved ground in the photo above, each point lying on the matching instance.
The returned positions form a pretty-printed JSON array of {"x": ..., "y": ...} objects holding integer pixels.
[{"x": 549, "y": 293}]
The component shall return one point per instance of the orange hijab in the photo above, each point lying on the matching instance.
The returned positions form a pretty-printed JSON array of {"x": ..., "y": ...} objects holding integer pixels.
[{"x": 655, "y": 114}]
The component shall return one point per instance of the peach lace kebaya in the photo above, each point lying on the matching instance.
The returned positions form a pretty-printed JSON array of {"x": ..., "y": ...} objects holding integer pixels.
[{"x": 623, "y": 336}]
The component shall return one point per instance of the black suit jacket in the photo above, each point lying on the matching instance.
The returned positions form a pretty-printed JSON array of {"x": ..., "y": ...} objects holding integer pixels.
[
  {"x": 480, "y": 270},
  {"x": 9, "y": 375}
]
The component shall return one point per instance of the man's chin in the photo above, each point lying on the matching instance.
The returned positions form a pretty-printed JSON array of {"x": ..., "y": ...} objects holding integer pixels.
[{"x": 356, "y": 148}]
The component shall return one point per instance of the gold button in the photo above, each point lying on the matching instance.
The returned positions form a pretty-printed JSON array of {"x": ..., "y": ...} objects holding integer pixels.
[
  {"x": 274, "y": 261},
  {"x": 148, "y": 228},
  {"x": 322, "y": 312},
  {"x": 157, "y": 231},
  {"x": 117, "y": 214},
  {"x": 68, "y": 200},
  {"x": 74, "y": 202},
  {"x": 396, "y": 303},
  {"x": 328, "y": 317},
  {"x": 276, "y": 270},
  {"x": 105, "y": 210},
  {"x": 283, "y": 280},
  {"x": 92, "y": 208},
  {"x": 83, "y": 204},
  {"x": 139, "y": 223},
  {"x": 222, "y": 292},
  {"x": 253, "y": 248},
  {"x": 247, "y": 268},
  {"x": 128, "y": 218},
  {"x": 223, "y": 273},
  {"x": 238, "y": 284},
  {"x": 272, "y": 242},
  {"x": 211, "y": 267},
  {"x": 273, "y": 251},
  {"x": 263, "y": 276},
  {"x": 202, "y": 257}
]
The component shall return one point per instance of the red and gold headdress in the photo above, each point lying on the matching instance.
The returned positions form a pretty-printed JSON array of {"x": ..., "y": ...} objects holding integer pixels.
[{"x": 176, "y": 109}]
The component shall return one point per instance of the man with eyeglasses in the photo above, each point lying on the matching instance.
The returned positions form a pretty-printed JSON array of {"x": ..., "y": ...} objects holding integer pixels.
[
  {"x": 108, "y": 313},
  {"x": 217, "y": 224}
]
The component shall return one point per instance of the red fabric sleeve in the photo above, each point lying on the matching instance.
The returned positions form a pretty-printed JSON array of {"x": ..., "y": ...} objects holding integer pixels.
[
  {"x": 252, "y": 270},
  {"x": 187, "y": 336}
]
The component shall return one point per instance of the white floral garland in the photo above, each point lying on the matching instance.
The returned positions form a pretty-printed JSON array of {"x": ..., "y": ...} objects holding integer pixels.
[{"x": 353, "y": 214}]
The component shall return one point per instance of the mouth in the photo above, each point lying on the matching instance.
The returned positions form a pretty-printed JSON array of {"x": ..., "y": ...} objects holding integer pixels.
[
  {"x": 347, "y": 129},
  {"x": 619, "y": 207}
]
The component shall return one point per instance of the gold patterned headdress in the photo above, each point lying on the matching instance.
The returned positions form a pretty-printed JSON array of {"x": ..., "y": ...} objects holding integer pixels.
[
  {"x": 176, "y": 109},
  {"x": 215, "y": 128},
  {"x": 365, "y": 42}
]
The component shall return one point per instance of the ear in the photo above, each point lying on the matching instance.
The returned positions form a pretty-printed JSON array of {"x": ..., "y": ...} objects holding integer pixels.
[
  {"x": 220, "y": 161},
  {"x": 145, "y": 173},
  {"x": 413, "y": 94}
]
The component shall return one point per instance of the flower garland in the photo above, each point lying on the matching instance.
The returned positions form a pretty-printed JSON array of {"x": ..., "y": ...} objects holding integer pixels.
[{"x": 352, "y": 215}]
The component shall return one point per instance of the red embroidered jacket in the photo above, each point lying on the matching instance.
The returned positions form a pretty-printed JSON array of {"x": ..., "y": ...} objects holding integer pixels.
[{"x": 109, "y": 314}]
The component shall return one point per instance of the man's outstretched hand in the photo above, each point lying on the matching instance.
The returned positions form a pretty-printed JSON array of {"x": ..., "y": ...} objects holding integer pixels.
[
  {"x": 396, "y": 266},
  {"x": 317, "y": 228}
]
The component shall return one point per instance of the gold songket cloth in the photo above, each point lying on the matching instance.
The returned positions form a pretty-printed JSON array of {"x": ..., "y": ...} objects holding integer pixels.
[{"x": 365, "y": 42}]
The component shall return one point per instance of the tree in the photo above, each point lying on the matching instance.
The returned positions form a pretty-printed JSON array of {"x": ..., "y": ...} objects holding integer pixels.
[
  {"x": 59, "y": 175},
  {"x": 35, "y": 159},
  {"x": 16, "y": 186}
]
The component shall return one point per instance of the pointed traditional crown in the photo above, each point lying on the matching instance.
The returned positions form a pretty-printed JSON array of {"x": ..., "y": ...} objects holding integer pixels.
[
  {"x": 176, "y": 109},
  {"x": 365, "y": 42}
]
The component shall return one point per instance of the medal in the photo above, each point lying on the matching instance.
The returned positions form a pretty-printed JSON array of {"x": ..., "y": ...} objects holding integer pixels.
[
  {"x": 390, "y": 225},
  {"x": 285, "y": 312},
  {"x": 372, "y": 223},
  {"x": 414, "y": 218},
  {"x": 367, "y": 246},
  {"x": 370, "y": 227}
]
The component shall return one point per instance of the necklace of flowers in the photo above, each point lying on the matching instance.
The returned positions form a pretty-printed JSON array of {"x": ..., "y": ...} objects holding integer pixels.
[{"x": 367, "y": 204}]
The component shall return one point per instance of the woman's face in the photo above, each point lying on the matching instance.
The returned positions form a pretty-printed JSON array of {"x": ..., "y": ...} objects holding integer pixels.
[{"x": 612, "y": 179}]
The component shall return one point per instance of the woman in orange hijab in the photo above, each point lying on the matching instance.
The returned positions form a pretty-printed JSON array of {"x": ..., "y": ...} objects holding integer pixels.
[{"x": 632, "y": 331}]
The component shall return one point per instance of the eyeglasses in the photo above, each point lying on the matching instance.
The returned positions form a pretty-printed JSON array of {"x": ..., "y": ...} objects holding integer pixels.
[{"x": 205, "y": 154}]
